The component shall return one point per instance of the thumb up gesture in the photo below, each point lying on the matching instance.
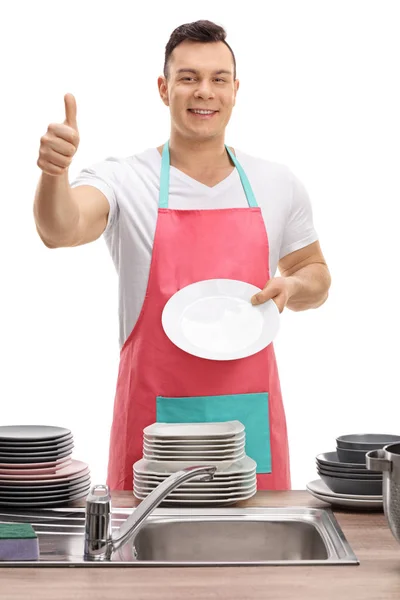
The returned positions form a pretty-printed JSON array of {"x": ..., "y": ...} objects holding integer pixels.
[{"x": 60, "y": 142}]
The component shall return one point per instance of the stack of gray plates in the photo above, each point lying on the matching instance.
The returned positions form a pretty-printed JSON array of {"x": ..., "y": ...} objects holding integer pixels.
[
  {"x": 345, "y": 479},
  {"x": 348, "y": 478},
  {"x": 36, "y": 468}
]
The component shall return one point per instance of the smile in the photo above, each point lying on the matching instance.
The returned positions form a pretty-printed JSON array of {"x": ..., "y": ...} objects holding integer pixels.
[{"x": 200, "y": 111}]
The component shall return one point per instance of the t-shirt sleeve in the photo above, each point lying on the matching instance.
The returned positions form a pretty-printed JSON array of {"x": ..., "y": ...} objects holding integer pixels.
[
  {"x": 299, "y": 229},
  {"x": 104, "y": 176}
]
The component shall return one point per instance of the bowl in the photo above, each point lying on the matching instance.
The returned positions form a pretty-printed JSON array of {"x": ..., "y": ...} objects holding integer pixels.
[
  {"x": 351, "y": 470},
  {"x": 355, "y": 487},
  {"x": 341, "y": 475},
  {"x": 351, "y": 456},
  {"x": 366, "y": 441},
  {"x": 332, "y": 459}
]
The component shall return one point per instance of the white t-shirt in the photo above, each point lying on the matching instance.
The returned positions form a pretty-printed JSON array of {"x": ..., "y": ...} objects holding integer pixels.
[{"x": 131, "y": 186}]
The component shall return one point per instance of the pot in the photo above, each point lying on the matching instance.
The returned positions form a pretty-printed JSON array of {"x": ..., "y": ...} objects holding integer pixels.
[{"x": 387, "y": 460}]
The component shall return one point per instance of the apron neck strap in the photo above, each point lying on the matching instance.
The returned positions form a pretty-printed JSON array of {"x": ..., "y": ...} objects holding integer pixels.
[{"x": 164, "y": 178}]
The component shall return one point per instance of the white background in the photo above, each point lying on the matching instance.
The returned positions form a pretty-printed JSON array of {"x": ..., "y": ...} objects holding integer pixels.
[{"x": 319, "y": 92}]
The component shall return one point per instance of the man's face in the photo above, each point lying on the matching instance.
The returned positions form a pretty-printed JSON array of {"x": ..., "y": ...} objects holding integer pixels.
[{"x": 201, "y": 76}]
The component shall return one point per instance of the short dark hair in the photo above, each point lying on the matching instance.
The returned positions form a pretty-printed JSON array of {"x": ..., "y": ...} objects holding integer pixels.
[{"x": 198, "y": 31}]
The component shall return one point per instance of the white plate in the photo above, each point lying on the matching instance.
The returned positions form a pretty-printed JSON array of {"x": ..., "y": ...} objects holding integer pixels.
[
  {"x": 217, "y": 477},
  {"x": 213, "y": 460},
  {"x": 203, "y": 485},
  {"x": 199, "y": 494},
  {"x": 320, "y": 490},
  {"x": 214, "y": 502},
  {"x": 193, "y": 449},
  {"x": 224, "y": 469},
  {"x": 206, "y": 489},
  {"x": 215, "y": 319},
  {"x": 184, "y": 456},
  {"x": 184, "y": 431},
  {"x": 227, "y": 443},
  {"x": 217, "y": 480},
  {"x": 212, "y": 493},
  {"x": 347, "y": 502},
  {"x": 188, "y": 440},
  {"x": 320, "y": 487}
]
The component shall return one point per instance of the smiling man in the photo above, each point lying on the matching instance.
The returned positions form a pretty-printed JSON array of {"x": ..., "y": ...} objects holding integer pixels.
[{"x": 192, "y": 209}]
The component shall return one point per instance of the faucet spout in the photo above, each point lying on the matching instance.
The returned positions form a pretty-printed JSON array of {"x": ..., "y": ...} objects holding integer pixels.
[
  {"x": 117, "y": 542},
  {"x": 138, "y": 517}
]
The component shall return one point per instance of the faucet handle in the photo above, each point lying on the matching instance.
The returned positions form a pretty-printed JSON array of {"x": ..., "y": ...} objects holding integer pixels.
[
  {"x": 98, "y": 501},
  {"x": 98, "y": 524}
]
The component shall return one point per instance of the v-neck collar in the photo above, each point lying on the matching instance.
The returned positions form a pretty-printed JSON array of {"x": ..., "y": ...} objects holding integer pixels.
[{"x": 202, "y": 187}]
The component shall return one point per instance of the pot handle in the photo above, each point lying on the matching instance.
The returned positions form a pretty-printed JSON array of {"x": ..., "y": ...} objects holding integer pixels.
[{"x": 376, "y": 461}]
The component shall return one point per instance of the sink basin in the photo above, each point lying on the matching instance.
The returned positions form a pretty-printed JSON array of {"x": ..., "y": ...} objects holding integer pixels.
[{"x": 197, "y": 537}]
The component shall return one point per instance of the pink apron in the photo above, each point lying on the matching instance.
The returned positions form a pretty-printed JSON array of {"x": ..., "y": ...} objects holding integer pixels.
[{"x": 157, "y": 381}]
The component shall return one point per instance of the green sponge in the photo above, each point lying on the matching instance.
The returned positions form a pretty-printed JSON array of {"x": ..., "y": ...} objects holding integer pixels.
[{"x": 18, "y": 541}]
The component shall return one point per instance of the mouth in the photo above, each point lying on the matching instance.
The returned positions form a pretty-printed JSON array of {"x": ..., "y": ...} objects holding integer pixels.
[{"x": 200, "y": 113}]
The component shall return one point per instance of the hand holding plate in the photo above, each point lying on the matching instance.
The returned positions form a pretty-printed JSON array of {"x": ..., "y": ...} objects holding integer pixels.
[{"x": 278, "y": 289}]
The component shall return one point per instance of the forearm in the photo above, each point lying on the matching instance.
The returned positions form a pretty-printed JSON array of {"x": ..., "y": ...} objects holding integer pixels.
[
  {"x": 309, "y": 287},
  {"x": 55, "y": 212}
]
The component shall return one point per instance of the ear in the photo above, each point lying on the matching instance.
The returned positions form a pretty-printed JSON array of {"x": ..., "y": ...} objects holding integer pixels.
[
  {"x": 236, "y": 87},
  {"x": 163, "y": 90}
]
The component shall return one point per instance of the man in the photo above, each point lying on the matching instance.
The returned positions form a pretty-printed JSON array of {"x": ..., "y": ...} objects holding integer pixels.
[{"x": 223, "y": 214}]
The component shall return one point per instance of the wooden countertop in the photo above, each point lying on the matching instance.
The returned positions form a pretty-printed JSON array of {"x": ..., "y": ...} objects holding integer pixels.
[{"x": 376, "y": 578}]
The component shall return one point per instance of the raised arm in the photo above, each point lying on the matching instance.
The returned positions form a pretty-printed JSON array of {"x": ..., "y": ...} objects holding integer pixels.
[{"x": 65, "y": 216}]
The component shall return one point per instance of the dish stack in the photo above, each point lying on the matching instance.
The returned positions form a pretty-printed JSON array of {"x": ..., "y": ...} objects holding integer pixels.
[
  {"x": 36, "y": 468},
  {"x": 171, "y": 447},
  {"x": 345, "y": 479}
]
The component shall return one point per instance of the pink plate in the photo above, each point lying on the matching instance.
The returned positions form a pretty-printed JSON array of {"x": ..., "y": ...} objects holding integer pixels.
[
  {"x": 76, "y": 468},
  {"x": 56, "y": 463},
  {"x": 29, "y": 471}
]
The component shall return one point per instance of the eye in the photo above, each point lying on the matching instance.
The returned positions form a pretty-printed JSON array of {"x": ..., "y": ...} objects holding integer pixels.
[{"x": 220, "y": 79}]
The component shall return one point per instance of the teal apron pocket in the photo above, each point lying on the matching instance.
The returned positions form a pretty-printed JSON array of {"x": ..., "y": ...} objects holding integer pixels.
[{"x": 249, "y": 409}]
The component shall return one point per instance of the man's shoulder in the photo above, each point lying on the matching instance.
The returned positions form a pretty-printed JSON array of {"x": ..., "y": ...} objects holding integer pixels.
[
  {"x": 262, "y": 166},
  {"x": 143, "y": 159},
  {"x": 147, "y": 156},
  {"x": 120, "y": 172}
]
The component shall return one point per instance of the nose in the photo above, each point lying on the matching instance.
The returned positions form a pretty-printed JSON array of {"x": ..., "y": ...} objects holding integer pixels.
[{"x": 204, "y": 90}]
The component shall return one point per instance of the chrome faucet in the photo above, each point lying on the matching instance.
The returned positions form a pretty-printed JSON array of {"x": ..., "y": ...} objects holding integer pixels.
[{"x": 103, "y": 544}]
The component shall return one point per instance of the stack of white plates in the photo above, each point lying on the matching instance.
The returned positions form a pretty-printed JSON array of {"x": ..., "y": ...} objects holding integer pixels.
[
  {"x": 171, "y": 447},
  {"x": 230, "y": 484},
  {"x": 194, "y": 441}
]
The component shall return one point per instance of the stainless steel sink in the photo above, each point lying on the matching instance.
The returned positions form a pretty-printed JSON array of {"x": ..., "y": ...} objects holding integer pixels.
[{"x": 198, "y": 537}]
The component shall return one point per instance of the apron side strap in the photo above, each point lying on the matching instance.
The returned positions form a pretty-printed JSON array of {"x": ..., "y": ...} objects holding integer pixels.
[
  {"x": 245, "y": 182},
  {"x": 164, "y": 178}
]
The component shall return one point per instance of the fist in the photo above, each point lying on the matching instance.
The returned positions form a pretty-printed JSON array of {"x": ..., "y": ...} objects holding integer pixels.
[{"x": 60, "y": 142}]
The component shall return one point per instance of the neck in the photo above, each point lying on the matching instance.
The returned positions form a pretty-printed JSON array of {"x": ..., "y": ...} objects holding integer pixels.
[{"x": 188, "y": 153}]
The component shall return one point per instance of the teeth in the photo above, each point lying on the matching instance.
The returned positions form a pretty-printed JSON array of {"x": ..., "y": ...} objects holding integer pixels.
[{"x": 202, "y": 112}]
